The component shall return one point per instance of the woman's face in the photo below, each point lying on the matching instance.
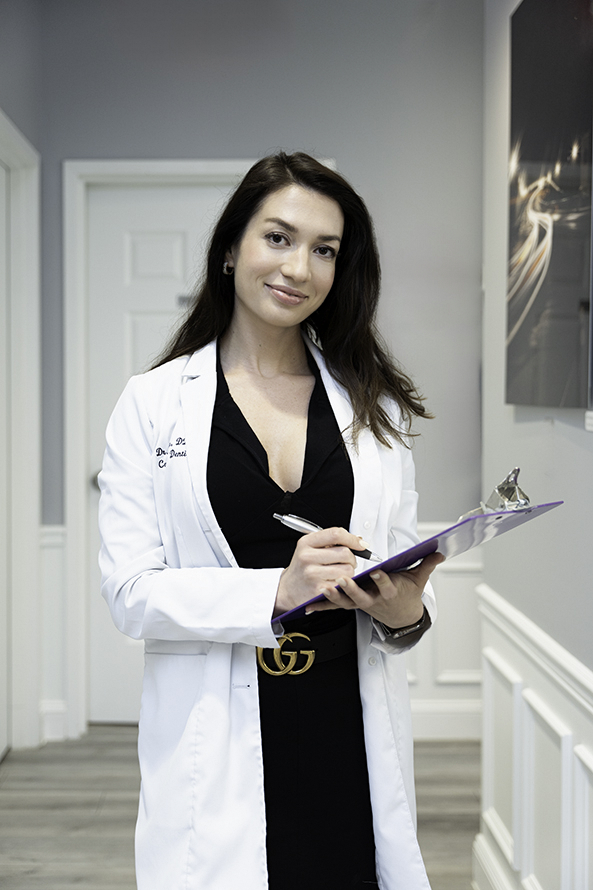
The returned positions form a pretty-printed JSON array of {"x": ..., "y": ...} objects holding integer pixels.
[{"x": 285, "y": 263}]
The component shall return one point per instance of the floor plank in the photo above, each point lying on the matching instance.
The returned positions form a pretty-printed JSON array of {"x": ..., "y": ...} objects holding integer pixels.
[
  {"x": 67, "y": 812},
  {"x": 448, "y": 799}
]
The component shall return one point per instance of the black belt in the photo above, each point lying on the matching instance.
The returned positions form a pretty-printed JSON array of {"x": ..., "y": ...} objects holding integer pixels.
[{"x": 288, "y": 659}]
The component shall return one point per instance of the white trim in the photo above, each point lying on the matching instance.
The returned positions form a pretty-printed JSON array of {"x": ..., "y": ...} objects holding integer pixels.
[
  {"x": 446, "y": 718},
  {"x": 53, "y": 720},
  {"x": 547, "y": 715},
  {"x": 53, "y": 708},
  {"x": 461, "y": 568},
  {"x": 500, "y": 833},
  {"x": 552, "y": 697},
  {"x": 447, "y": 706},
  {"x": 502, "y": 667},
  {"x": 508, "y": 840},
  {"x": 22, "y": 162},
  {"x": 567, "y": 672},
  {"x": 460, "y": 678},
  {"x": 79, "y": 176},
  {"x": 531, "y": 883},
  {"x": 430, "y": 529},
  {"x": 538, "y": 708},
  {"x": 487, "y": 872},
  {"x": 52, "y": 537},
  {"x": 583, "y": 776},
  {"x": 585, "y": 755}
]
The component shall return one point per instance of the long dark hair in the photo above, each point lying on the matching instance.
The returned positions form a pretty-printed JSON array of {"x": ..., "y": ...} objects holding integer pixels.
[{"x": 344, "y": 325}]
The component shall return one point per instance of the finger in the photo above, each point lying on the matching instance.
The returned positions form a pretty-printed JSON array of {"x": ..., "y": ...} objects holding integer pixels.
[
  {"x": 333, "y": 537},
  {"x": 362, "y": 599},
  {"x": 321, "y": 606},
  {"x": 332, "y": 556},
  {"x": 423, "y": 571},
  {"x": 334, "y": 599}
]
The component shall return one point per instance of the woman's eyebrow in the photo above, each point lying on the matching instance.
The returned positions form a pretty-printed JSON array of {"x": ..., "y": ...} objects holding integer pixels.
[{"x": 293, "y": 229}]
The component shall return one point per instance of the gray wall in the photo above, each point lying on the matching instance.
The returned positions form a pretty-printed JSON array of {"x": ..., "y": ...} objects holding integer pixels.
[
  {"x": 20, "y": 68},
  {"x": 542, "y": 569},
  {"x": 390, "y": 88}
]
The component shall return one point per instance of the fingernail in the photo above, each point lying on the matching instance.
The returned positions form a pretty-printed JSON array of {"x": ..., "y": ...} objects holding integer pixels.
[
  {"x": 309, "y": 611},
  {"x": 364, "y": 545},
  {"x": 375, "y": 576}
]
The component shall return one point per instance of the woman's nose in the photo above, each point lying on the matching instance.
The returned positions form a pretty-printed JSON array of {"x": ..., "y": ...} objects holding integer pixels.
[{"x": 297, "y": 265}]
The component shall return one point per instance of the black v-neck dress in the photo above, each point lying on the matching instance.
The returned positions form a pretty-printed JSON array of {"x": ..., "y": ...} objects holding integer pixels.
[{"x": 318, "y": 811}]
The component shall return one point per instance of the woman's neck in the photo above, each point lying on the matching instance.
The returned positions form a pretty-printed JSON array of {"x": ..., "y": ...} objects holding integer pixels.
[{"x": 266, "y": 353}]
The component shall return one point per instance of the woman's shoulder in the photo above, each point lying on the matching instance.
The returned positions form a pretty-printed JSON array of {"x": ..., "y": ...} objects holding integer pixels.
[
  {"x": 174, "y": 372},
  {"x": 168, "y": 372},
  {"x": 158, "y": 389}
]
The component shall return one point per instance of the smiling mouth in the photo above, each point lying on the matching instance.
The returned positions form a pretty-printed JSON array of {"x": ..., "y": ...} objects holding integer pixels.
[{"x": 287, "y": 295}]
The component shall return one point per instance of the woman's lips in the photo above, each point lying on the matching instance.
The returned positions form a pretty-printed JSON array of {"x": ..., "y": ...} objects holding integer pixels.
[{"x": 288, "y": 296}]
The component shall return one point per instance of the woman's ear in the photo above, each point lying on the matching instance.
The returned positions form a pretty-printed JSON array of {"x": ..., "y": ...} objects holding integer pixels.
[{"x": 229, "y": 258}]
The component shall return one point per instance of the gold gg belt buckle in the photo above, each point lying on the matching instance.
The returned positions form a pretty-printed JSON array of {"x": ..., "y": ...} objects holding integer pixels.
[{"x": 292, "y": 657}]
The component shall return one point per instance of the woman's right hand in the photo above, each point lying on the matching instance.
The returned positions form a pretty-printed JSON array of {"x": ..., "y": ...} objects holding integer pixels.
[{"x": 319, "y": 559}]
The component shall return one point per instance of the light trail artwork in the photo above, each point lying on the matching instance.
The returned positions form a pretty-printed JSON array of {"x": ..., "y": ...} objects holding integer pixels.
[{"x": 549, "y": 258}]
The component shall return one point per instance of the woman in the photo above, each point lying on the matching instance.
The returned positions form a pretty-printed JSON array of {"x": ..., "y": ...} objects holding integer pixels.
[{"x": 261, "y": 768}]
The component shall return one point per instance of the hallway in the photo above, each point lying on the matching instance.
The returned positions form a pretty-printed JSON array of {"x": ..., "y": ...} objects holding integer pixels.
[{"x": 67, "y": 812}]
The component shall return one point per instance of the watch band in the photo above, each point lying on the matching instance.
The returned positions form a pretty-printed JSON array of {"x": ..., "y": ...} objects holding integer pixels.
[{"x": 395, "y": 633}]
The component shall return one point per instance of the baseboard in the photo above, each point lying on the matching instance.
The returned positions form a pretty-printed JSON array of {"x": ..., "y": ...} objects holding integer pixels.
[
  {"x": 446, "y": 719},
  {"x": 53, "y": 716},
  {"x": 53, "y": 705}
]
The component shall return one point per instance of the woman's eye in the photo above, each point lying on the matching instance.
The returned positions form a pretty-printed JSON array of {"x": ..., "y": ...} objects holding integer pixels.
[
  {"x": 276, "y": 238},
  {"x": 326, "y": 251}
]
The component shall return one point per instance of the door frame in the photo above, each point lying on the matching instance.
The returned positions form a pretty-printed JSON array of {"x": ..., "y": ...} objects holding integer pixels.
[
  {"x": 24, "y": 434},
  {"x": 78, "y": 178}
]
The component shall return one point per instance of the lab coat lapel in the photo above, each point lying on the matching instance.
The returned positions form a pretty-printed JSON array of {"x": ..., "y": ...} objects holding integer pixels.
[
  {"x": 198, "y": 393},
  {"x": 364, "y": 455}
]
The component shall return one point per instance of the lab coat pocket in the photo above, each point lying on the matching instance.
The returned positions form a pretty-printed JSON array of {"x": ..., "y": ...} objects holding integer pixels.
[{"x": 171, "y": 709}]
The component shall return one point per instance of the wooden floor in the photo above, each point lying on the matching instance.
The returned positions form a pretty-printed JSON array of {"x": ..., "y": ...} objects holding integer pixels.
[
  {"x": 448, "y": 799},
  {"x": 67, "y": 812}
]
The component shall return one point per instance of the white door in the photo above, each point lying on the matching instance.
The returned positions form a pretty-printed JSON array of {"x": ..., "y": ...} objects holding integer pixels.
[
  {"x": 4, "y": 470},
  {"x": 145, "y": 249}
]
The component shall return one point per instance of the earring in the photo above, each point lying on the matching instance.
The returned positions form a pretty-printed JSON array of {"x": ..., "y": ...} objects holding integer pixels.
[{"x": 226, "y": 269}]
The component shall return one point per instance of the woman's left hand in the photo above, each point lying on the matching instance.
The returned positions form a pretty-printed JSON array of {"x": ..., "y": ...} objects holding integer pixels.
[{"x": 394, "y": 600}]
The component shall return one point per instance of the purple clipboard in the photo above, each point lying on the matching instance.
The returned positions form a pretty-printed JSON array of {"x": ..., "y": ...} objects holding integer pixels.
[{"x": 452, "y": 541}]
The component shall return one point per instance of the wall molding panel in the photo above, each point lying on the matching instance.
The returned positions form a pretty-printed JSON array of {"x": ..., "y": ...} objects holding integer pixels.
[
  {"x": 537, "y": 783},
  {"x": 444, "y": 669},
  {"x": 501, "y": 754},
  {"x": 547, "y": 751},
  {"x": 583, "y": 818}
]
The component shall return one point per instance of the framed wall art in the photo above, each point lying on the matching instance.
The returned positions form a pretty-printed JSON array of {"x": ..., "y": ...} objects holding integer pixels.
[{"x": 549, "y": 275}]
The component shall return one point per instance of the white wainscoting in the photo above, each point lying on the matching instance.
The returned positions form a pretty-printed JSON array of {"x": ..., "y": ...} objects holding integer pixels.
[
  {"x": 53, "y": 707},
  {"x": 444, "y": 669},
  {"x": 537, "y": 784}
]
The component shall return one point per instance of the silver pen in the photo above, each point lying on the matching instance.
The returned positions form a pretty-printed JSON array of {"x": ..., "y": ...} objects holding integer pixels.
[{"x": 298, "y": 524}]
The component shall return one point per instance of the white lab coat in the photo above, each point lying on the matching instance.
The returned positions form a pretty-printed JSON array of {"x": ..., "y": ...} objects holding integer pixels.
[{"x": 170, "y": 578}]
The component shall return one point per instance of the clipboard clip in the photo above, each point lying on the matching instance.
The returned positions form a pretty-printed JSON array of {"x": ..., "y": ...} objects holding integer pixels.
[{"x": 506, "y": 497}]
